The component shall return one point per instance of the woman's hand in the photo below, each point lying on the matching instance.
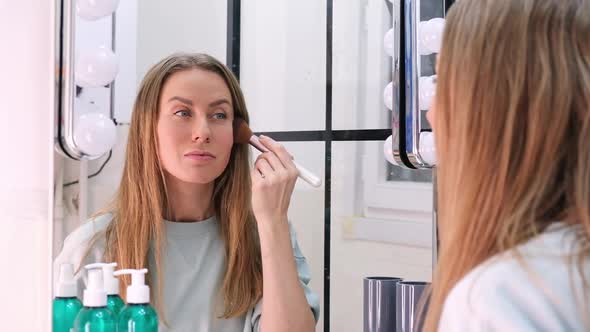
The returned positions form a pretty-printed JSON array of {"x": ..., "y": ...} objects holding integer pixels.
[{"x": 273, "y": 179}]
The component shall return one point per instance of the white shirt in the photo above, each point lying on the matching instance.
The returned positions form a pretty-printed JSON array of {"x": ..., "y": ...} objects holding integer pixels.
[{"x": 543, "y": 292}]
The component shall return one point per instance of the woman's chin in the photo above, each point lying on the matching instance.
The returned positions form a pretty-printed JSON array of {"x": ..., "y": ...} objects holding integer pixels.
[
  {"x": 193, "y": 176},
  {"x": 197, "y": 178}
]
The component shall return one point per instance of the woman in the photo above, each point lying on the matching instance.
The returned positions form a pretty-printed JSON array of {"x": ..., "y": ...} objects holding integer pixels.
[
  {"x": 512, "y": 128},
  {"x": 213, "y": 234}
]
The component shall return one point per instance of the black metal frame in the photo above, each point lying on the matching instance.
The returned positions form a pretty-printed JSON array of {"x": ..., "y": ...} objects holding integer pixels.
[
  {"x": 332, "y": 135},
  {"x": 448, "y": 4},
  {"x": 234, "y": 19},
  {"x": 328, "y": 135},
  {"x": 328, "y": 167}
]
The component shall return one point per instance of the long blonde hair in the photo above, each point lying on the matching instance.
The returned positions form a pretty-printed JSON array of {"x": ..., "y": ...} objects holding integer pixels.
[
  {"x": 512, "y": 129},
  {"x": 141, "y": 202}
]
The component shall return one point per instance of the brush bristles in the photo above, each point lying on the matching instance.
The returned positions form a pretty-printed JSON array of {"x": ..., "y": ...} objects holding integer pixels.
[{"x": 242, "y": 132}]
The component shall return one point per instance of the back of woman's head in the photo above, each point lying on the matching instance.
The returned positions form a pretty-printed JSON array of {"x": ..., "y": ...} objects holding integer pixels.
[{"x": 512, "y": 128}]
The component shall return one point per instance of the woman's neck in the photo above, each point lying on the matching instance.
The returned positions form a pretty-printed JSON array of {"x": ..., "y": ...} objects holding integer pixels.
[{"x": 188, "y": 202}]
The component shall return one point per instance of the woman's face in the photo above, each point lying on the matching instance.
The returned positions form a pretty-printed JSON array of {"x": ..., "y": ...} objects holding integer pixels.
[{"x": 195, "y": 132}]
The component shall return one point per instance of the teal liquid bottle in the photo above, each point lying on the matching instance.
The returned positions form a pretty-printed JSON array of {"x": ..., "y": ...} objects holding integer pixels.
[
  {"x": 95, "y": 320},
  {"x": 111, "y": 286},
  {"x": 138, "y": 315},
  {"x": 138, "y": 318},
  {"x": 115, "y": 304},
  {"x": 66, "y": 305},
  {"x": 95, "y": 316}
]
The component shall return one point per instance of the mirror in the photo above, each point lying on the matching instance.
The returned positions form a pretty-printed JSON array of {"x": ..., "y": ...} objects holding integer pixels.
[{"x": 313, "y": 75}]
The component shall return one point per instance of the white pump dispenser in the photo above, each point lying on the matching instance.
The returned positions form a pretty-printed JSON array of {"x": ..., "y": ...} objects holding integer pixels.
[
  {"x": 138, "y": 292},
  {"x": 94, "y": 294},
  {"x": 111, "y": 284},
  {"x": 66, "y": 286}
]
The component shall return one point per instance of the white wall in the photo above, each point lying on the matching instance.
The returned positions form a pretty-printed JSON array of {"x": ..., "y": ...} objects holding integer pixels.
[
  {"x": 280, "y": 40},
  {"x": 165, "y": 27},
  {"x": 26, "y": 131}
]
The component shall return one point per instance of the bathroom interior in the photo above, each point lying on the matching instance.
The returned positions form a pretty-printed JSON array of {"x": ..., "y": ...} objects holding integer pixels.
[{"x": 337, "y": 82}]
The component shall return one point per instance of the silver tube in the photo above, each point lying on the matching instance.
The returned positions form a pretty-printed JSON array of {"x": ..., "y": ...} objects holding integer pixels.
[
  {"x": 379, "y": 297},
  {"x": 397, "y": 85},
  {"x": 412, "y": 69},
  {"x": 67, "y": 143},
  {"x": 69, "y": 81},
  {"x": 408, "y": 300}
]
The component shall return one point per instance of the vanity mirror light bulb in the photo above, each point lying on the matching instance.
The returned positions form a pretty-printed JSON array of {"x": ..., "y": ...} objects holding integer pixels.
[
  {"x": 388, "y": 150},
  {"x": 388, "y": 42},
  {"x": 93, "y": 10},
  {"x": 95, "y": 134},
  {"x": 427, "y": 87},
  {"x": 430, "y": 35},
  {"x": 96, "y": 67},
  {"x": 434, "y": 38},
  {"x": 388, "y": 96},
  {"x": 427, "y": 148}
]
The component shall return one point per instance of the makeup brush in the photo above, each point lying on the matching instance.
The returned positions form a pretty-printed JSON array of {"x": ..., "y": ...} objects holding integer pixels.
[{"x": 243, "y": 135}]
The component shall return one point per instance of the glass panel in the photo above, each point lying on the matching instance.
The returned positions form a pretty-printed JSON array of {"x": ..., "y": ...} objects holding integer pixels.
[
  {"x": 396, "y": 173},
  {"x": 179, "y": 26},
  {"x": 368, "y": 239},
  {"x": 361, "y": 69},
  {"x": 283, "y": 63},
  {"x": 306, "y": 214}
]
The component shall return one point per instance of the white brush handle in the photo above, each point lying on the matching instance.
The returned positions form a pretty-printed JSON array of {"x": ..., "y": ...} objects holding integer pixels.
[
  {"x": 304, "y": 173},
  {"x": 308, "y": 176}
]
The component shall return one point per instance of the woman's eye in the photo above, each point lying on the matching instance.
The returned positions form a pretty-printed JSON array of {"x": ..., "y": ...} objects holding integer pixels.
[
  {"x": 183, "y": 113},
  {"x": 219, "y": 116}
]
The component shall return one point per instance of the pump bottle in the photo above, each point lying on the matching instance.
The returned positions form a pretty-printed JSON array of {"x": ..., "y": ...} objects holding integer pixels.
[
  {"x": 95, "y": 316},
  {"x": 65, "y": 305},
  {"x": 138, "y": 315}
]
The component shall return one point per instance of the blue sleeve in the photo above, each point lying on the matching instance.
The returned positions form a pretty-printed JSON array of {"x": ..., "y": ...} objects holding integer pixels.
[{"x": 305, "y": 276}]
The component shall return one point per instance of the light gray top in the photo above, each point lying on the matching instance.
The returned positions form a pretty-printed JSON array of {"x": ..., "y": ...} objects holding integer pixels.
[
  {"x": 541, "y": 292},
  {"x": 193, "y": 264}
]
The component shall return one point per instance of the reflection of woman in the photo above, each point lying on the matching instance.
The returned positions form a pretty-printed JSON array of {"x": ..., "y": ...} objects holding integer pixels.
[
  {"x": 188, "y": 208},
  {"x": 512, "y": 127}
]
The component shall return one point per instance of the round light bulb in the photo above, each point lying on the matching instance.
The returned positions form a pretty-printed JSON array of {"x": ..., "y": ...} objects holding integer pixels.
[
  {"x": 388, "y": 96},
  {"x": 427, "y": 148},
  {"x": 434, "y": 36},
  {"x": 388, "y": 150},
  {"x": 388, "y": 42},
  {"x": 95, "y": 134},
  {"x": 422, "y": 46},
  {"x": 96, "y": 67},
  {"x": 427, "y": 88},
  {"x": 430, "y": 35},
  {"x": 92, "y": 10}
]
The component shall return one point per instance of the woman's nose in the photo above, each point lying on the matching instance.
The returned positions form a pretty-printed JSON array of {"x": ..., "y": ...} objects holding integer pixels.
[{"x": 201, "y": 131}]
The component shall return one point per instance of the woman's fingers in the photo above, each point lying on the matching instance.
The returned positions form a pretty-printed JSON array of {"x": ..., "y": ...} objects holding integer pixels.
[
  {"x": 285, "y": 158},
  {"x": 264, "y": 167}
]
